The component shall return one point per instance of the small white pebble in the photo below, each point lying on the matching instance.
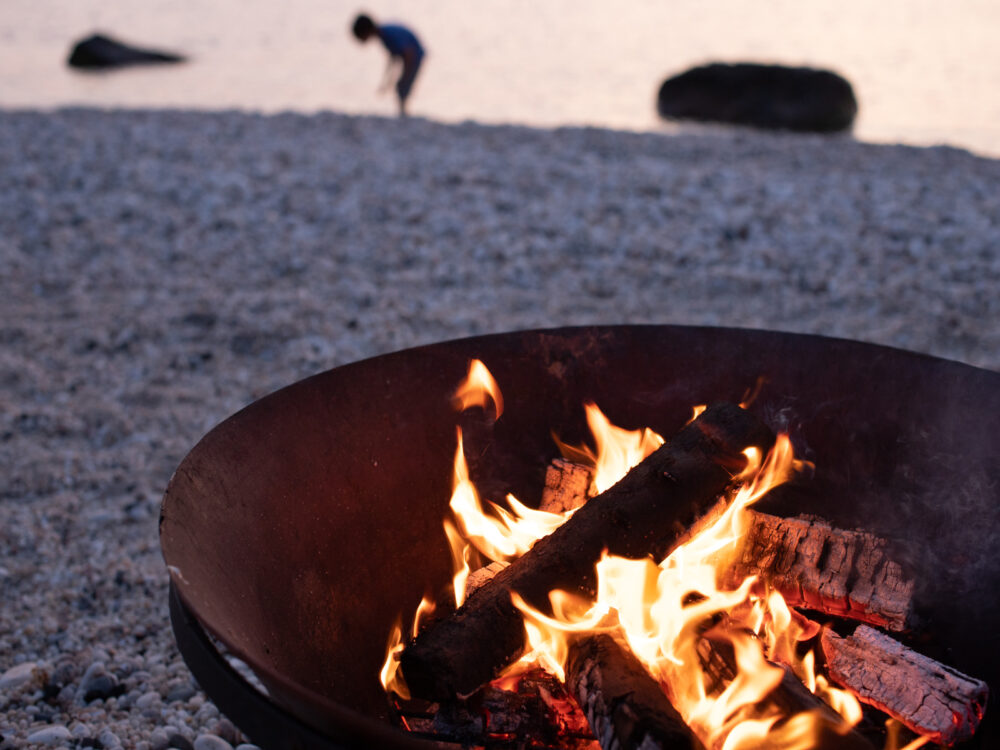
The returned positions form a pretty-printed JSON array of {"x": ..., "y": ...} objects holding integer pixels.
[
  {"x": 51, "y": 735},
  {"x": 210, "y": 742},
  {"x": 206, "y": 712},
  {"x": 159, "y": 739},
  {"x": 16, "y": 676},
  {"x": 148, "y": 699}
]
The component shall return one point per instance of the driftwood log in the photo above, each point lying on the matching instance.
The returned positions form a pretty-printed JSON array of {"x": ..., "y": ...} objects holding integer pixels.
[
  {"x": 625, "y": 706},
  {"x": 930, "y": 698},
  {"x": 641, "y": 515},
  {"x": 838, "y": 572}
]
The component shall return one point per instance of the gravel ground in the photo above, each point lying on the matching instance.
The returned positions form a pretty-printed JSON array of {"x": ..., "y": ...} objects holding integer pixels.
[{"x": 162, "y": 269}]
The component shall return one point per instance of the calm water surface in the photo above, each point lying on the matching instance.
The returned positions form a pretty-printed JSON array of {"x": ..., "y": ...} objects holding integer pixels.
[{"x": 924, "y": 71}]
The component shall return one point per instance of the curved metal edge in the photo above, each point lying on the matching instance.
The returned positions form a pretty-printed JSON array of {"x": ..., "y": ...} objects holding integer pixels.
[{"x": 266, "y": 724}]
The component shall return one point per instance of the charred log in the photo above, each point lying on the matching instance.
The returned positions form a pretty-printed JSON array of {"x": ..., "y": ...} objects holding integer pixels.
[
  {"x": 790, "y": 697},
  {"x": 930, "y": 698},
  {"x": 641, "y": 515},
  {"x": 535, "y": 711},
  {"x": 842, "y": 573},
  {"x": 625, "y": 706}
]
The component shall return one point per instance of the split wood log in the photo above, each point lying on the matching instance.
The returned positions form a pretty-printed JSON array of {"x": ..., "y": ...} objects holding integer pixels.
[
  {"x": 789, "y": 697},
  {"x": 480, "y": 576},
  {"x": 566, "y": 486},
  {"x": 641, "y": 515},
  {"x": 625, "y": 705},
  {"x": 930, "y": 698},
  {"x": 838, "y": 572},
  {"x": 834, "y": 571}
]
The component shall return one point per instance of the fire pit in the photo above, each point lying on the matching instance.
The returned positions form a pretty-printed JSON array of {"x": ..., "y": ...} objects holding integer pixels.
[{"x": 300, "y": 528}]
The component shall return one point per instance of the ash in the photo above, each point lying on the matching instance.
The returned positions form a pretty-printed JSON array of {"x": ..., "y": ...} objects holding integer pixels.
[{"x": 162, "y": 269}]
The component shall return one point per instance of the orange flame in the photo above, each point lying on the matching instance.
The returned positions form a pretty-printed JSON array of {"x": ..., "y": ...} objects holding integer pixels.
[
  {"x": 505, "y": 534},
  {"x": 460, "y": 553},
  {"x": 663, "y": 610},
  {"x": 478, "y": 389},
  {"x": 893, "y": 728},
  {"x": 618, "y": 449},
  {"x": 390, "y": 676}
]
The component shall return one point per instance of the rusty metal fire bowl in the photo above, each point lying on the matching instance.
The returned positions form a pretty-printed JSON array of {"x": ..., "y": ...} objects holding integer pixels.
[{"x": 298, "y": 529}]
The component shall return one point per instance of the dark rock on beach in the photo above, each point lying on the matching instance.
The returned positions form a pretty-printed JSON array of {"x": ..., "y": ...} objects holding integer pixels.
[
  {"x": 763, "y": 96},
  {"x": 99, "y": 52}
]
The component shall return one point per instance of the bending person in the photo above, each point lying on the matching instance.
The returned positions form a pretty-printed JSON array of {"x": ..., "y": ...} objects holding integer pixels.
[{"x": 403, "y": 47}]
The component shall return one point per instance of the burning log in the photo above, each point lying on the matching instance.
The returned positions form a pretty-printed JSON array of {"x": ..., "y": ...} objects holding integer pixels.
[
  {"x": 534, "y": 712},
  {"x": 641, "y": 515},
  {"x": 834, "y": 571},
  {"x": 789, "y": 697},
  {"x": 843, "y": 573},
  {"x": 566, "y": 486},
  {"x": 478, "y": 578},
  {"x": 930, "y": 698},
  {"x": 625, "y": 706}
]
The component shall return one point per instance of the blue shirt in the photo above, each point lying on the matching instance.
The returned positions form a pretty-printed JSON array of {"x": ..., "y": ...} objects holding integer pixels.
[{"x": 397, "y": 39}]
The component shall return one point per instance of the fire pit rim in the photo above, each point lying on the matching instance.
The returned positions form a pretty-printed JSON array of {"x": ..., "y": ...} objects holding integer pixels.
[
  {"x": 306, "y": 700},
  {"x": 268, "y": 722}
]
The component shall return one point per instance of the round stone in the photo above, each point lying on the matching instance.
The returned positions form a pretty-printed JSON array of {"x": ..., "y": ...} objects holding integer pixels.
[
  {"x": 101, "y": 687},
  {"x": 159, "y": 739},
  {"x": 211, "y": 742},
  {"x": 17, "y": 676},
  {"x": 148, "y": 699},
  {"x": 181, "y": 693},
  {"x": 52, "y": 735},
  {"x": 179, "y": 741}
]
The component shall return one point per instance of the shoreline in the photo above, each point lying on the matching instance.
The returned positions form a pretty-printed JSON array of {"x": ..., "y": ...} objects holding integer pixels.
[
  {"x": 665, "y": 128},
  {"x": 162, "y": 268}
]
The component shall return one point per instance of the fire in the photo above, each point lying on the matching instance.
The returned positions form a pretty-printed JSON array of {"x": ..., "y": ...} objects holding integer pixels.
[
  {"x": 478, "y": 389},
  {"x": 500, "y": 536},
  {"x": 717, "y": 652},
  {"x": 679, "y": 622},
  {"x": 618, "y": 450},
  {"x": 390, "y": 676}
]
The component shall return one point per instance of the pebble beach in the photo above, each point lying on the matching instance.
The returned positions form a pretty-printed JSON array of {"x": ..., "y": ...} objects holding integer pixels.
[{"x": 161, "y": 269}]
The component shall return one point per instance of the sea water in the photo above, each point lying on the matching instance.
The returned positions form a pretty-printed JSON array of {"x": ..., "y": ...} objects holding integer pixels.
[{"x": 924, "y": 71}]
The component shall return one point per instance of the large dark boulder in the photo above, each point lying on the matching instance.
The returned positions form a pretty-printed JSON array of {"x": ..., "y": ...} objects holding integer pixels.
[
  {"x": 99, "y": 51},
  {"x": 763, "y": 96}
]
